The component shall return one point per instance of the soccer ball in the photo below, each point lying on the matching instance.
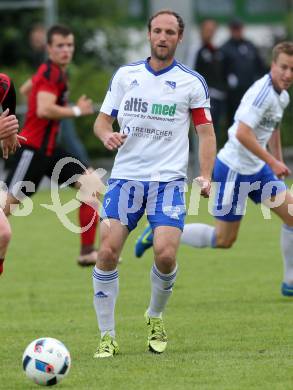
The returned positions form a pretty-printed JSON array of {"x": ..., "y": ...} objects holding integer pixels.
[{"x": 46, "y": 361}]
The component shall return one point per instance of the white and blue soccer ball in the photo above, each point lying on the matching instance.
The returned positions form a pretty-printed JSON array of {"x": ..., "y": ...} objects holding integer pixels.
[{"x": 46, "y": 361}]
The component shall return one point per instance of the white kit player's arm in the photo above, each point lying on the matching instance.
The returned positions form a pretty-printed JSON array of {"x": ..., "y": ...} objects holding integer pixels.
[
  {"x": 202, "y": 121},
  {"x": 103, "y": 129},
  {"x": 275, "y": 145},
  {"x": 247, "y": 138},
  {"x": 206, "y": 155}
]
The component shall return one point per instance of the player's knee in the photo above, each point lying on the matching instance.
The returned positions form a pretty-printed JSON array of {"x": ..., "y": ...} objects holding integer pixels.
[
  {"x": 165, "y": 257},
  {"x": 107, "y": 256},
  {"x": 225, "y": 242},
  {"x": 5, "y": 235},
  {"x": 288, "y": 220}
]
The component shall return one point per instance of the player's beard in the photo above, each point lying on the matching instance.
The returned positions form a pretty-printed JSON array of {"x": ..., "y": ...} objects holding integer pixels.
[{"x": 168, "y": 55}]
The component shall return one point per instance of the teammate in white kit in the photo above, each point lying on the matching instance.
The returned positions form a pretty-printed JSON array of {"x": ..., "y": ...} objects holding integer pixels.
[
  {"x": 152, "y": 100},
  {"x": 245, "y": 168}
]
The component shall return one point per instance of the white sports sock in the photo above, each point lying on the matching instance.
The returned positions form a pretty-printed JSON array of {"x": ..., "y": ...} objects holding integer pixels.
[
  {"x": 287, "y": 251},
  {"x": 106, "y": 288},
  {"x": 198, "y": 235},
  {"x": 161, "y": 290}
]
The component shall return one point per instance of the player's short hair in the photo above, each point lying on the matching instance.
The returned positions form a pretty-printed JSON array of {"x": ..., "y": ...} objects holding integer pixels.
[
  {"x": 168, "y": 12},
  {"x": 285, "y": 47},
  {"x": 58, "y": 29}
]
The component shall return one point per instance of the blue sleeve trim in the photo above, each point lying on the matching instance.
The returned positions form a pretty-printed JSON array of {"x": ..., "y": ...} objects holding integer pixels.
[{"x": 114, "y": 113}]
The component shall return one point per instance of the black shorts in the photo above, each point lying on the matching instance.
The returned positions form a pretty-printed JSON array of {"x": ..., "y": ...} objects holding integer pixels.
[{"x": 31, "y": 166}]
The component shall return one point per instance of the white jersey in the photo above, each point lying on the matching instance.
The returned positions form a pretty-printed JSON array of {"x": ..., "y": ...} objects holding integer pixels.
[
  {"x": 261, "y": 109},
  {"x": 153, "y": 109}
]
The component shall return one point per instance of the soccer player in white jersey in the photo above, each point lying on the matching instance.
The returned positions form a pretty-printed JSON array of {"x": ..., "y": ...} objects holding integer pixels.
[
  {"x": 245, "y": 168},
  {"x": 152, "y": 100}
]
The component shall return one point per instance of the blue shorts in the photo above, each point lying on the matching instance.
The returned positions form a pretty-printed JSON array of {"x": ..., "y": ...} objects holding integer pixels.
[
  {"x": 233, "y": 189},
  {"x": 163, "y": 202}
]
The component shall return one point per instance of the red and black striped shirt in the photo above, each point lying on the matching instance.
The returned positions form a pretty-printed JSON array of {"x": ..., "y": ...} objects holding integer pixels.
[
  {"x": 7, "y": 93},
  {"x": 41, "y": 133}
]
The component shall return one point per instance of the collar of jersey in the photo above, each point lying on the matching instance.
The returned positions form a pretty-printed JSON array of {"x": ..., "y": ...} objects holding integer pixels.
[
  {"x": 162, "y": 71},
  {"x": 275, "y": 89}
]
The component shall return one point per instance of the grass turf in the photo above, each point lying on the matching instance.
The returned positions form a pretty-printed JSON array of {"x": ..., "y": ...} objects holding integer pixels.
[{"x": 228, "y": 326}]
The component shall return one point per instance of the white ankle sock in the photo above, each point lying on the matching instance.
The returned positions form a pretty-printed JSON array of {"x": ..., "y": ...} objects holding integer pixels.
[
  {"x": 161, "y": 290},
  {"x": 287, "y": 251},
  {"x": 106, "y": 288},
  {"x": 198, "y": 235}
]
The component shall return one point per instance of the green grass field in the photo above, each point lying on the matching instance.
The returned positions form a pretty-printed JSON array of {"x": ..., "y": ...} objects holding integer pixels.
[{"x": 228, "y": 326}]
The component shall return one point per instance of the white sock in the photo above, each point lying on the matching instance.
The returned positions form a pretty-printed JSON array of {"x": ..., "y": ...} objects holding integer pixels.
[
  {"x": 287, "y": 251},
  {"x": 161, "y": 290},
  {"x": 199, "y": 235},
  {"x": 106, "y": 288}
]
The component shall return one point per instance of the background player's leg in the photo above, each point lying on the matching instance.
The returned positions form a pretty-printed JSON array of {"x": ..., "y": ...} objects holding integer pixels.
[
  {"x": 5, "y": 235},
  {"x": 226, "y": 233},
  {"x": 88, "y": 185},
  {"x": 198, "y": 235},
  {"x": 88, "y": 221},
  {"x": 283, "y": 211}
]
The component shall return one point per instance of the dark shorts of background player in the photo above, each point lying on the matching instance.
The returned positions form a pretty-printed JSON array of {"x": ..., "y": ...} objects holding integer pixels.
[{"x": 32, "y": 165}]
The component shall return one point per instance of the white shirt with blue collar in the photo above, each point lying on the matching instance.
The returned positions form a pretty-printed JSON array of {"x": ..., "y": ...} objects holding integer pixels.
[
  {"x": 261, "y": 109},
  {"x": 153, "y": 109}
]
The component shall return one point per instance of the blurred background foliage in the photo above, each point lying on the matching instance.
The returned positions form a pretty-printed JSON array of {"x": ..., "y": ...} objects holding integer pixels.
[{"x": 100, "y": 48}]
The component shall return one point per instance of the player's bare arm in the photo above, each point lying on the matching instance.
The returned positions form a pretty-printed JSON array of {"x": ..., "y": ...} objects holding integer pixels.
[
  {"x": 103, "y": 129},
  {"x": 26, "y": 87},
  {"x": 48, "y": 108},
  {"x": 246, "y": 136},
  {"x": 275, "y": 145},
  {"x": 207, "y": 154}
]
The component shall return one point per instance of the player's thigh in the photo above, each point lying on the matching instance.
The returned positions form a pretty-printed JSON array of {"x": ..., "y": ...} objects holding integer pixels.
[
  {"x": 27, "y": 170},
  {"x": 5, "y": 229},
  {"x": 112, "y": 236},
  {"x": 124, "y": 201},
  {"x": 284, "y": 209},
  {"x": 166, "y": 241},
  {"x": 227, "y": 206},
  {"x": 166, "y": 207},
  {"x": 226, "y": 233}
]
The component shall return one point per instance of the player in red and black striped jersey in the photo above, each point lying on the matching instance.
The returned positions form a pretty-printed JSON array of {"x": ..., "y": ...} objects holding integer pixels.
[
  {"x": 9, "y": 143},
  {"x": 8, "y": 121},
  {"x": 47, "y": 105}
]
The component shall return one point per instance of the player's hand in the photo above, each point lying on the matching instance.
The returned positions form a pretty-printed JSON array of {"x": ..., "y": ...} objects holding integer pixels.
[
  {"x": 113, "y": 141},
  {"x": 280, "y": 169},
  {"x": 9, "y": 145},
  {"x": 8, "y": 124},
  {"x": 86, "y": 105},
  {"x": 205, "y": 186}
]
